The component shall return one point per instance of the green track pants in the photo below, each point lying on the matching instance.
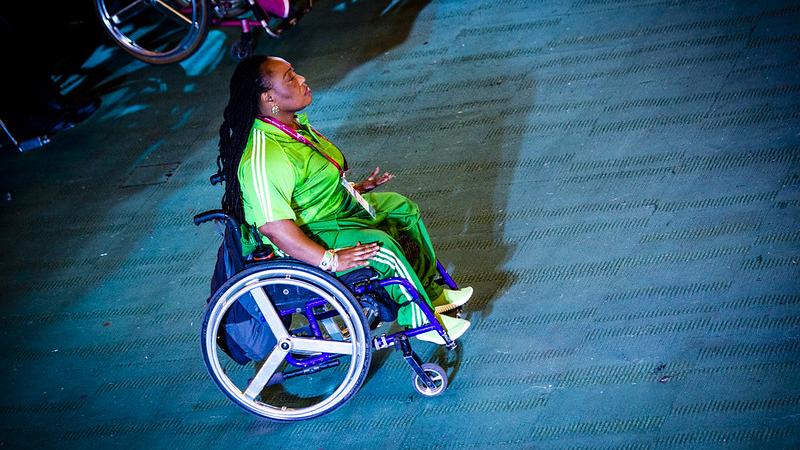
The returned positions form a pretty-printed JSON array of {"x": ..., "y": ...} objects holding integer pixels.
[{"x": 406, "y": 250}]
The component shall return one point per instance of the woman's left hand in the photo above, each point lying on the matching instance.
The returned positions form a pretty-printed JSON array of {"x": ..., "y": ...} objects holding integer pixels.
[
  {"x": 356, "y": 256},
  {"x": 373, "y": 181}
]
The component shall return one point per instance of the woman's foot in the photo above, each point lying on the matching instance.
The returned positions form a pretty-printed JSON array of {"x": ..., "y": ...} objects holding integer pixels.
[
  {"x": 455, "y": 329},
  {"x": 452, "y": 299}
]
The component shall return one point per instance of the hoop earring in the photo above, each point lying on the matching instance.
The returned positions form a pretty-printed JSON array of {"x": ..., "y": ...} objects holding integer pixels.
[{"x": 275, "y": 110}]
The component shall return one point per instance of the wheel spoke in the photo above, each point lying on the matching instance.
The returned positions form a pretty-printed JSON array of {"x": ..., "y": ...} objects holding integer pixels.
[
  {"x": 265, "y": 373},
  {"x": 322, "y": 346},
  {"x": 269, "y": 312},
  {"x": 171, "y": 12},
  {"x": 127, "y": 12}
]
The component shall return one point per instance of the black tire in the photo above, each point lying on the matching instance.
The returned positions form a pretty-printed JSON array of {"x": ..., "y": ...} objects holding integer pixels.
[
  {"x": 285, "y": 401},
  {"x": 154, "y": 31}
]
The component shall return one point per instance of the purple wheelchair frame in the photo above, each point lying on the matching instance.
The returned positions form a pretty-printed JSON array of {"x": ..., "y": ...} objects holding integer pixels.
[{"x": 399, "y": 339}]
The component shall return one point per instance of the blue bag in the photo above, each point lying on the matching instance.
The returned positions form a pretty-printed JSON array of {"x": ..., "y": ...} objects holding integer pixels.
[{"x": 243, "y": 334}]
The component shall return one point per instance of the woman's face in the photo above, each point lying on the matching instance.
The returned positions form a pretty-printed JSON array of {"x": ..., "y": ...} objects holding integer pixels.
[{"x": 289, "y": 89}]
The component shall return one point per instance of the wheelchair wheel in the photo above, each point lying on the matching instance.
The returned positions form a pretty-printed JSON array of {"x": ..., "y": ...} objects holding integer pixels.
[
  {"x": 275, "y": 387},
  {"x": 156, "y": 31},
  {"x": 437, "y": 375}
]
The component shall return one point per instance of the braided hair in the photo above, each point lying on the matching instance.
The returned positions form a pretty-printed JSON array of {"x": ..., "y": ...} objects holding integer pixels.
[{"x": 247, "y": 84}]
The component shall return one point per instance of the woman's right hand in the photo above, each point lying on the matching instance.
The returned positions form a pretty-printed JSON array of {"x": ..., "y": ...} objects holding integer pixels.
[
  {"x": 374, "y": 180},
  {"x": 356, "y": 256}
]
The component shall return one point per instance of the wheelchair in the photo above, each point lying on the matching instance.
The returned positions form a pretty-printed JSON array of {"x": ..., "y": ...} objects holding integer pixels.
[
  {"x": 308, "y": 339},
  {"x": 169, "y": 31}
]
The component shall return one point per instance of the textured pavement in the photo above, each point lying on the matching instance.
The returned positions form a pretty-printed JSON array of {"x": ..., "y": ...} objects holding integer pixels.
[{"x": 618, "y": 179}]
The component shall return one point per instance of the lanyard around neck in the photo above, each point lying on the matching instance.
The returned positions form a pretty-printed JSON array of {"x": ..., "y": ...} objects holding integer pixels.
[{"x": 302, "y": 139}]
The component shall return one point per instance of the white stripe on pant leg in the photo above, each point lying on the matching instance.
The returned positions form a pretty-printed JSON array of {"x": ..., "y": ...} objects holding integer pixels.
[
  {"x": 390, "y": 254},
  {"x": 405, "y": 274},
  {"x": 392, "y": 265},
  {"x": 416, "y": 310},
  {"x": 422, "y": 319},
  {"x": 416, "y": 319},
  {"x": 416, "y": 316}
]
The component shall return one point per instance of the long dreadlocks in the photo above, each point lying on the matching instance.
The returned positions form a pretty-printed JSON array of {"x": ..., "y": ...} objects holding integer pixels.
[{"x": 247, "y": 84}]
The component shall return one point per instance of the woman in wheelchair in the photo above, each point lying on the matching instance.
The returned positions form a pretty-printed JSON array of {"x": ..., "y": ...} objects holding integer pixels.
[
  {"x": 287, "y": 180},
  {"x": 291, "y": 338}
]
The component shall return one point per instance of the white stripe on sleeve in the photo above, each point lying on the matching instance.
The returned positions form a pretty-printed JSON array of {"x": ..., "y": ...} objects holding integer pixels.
[{"x": 258, "y": 171}]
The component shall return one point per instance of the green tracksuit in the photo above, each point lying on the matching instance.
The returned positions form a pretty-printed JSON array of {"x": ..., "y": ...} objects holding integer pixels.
[{"x": 284, "y": 179}]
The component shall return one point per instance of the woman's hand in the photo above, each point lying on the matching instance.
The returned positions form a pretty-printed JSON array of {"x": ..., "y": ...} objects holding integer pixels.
[
  {"x": 373, "y": 181},
  {"x": 356, "y": 256}
]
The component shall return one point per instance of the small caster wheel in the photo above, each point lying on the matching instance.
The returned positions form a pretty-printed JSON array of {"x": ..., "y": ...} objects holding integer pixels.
[
  {"x": 241, "y": 50},
  {"x": 439, "y": 377}
]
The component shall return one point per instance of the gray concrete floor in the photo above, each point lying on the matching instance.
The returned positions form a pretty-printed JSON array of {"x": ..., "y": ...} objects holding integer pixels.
[{"x": 618, "y": 179}]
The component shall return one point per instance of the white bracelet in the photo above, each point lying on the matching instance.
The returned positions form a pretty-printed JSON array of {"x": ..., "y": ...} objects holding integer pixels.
[
  {"x": 335, "y": 262},
  {"x": 328, "y": 259}
]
